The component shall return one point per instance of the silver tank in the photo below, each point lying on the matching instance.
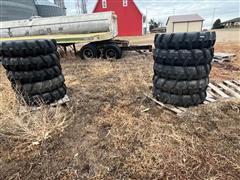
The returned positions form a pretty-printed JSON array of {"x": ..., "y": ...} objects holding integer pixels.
[
  {"x": 83, "y": 24},
  {"x": 17, "y": 9}
]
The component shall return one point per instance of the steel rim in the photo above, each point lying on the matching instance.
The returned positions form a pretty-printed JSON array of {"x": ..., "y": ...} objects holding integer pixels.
[
  {"x": 88, "y": 54},
  {"x": 111, "y": 54}
]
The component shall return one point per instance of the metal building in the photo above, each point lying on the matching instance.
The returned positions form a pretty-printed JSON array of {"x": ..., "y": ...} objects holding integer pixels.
[
  {"x": 17, "y": 9},
  {"x": 25, "y": 9},
  {"x": 61, "y": 4},
  {"x": 185, "y": 23},
  {"x": 48, "y": 9}
]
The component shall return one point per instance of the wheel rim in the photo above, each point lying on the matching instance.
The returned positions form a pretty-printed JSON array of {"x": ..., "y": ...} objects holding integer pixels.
[
  {"x": 111, "y": 54},
  {"x": 88, "y": 54}
]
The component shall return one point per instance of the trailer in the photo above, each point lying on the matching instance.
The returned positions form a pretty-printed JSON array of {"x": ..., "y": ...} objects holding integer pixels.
[{"x": 95, "y": 32}]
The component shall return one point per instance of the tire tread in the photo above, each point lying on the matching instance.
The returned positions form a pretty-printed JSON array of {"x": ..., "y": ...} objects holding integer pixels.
[
  {"x": 47, "y": 97},
  {"x": 34, "y": 76},
  {"x": 31, "y": 63},
  {"x": 180, "y": 100},
  {"x": 25, "y": 48},
  {"x": 180, "y": 87},
  {"x": 182, "y": 73},
  {"x": 31, "y": 89},
  {"x": 190, "y": 40},
  {"x": 194, "y": 57}
]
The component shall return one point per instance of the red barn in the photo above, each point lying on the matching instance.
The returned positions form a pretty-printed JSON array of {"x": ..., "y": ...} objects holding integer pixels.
[{"x": 130, "y": 18}]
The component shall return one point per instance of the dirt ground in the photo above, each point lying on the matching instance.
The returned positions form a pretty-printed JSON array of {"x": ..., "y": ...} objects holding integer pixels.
[{"x": 110, "y": 130}]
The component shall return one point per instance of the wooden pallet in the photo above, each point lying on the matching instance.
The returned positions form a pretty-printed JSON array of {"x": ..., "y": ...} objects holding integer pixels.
[
  {"x": 222, "y": 57},
  {"x": 215, "y": 92}
]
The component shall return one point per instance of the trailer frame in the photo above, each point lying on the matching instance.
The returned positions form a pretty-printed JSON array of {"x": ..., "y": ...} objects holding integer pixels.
[
  {"x": 100, "y": 40},
  {"x": 124, "y": 45}
]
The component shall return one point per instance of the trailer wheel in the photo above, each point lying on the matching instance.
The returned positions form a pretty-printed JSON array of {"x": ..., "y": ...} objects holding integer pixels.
[
  {"x": 88, "y": 51},
  {"x": 112, "y": 51}
]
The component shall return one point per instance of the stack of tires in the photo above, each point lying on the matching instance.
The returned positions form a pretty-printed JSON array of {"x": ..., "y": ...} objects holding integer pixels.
[
  {"x": 182, "y": 63},
  {"x": 33, "y": 67}
]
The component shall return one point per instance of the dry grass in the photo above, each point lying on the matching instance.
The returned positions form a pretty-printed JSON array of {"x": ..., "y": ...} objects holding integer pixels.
[
  {"x": 227, "y": 70},
  {"x": 111, "y": 136},
  {"x": 23, "y": 127},
  {"x": 201, "y": 144}
]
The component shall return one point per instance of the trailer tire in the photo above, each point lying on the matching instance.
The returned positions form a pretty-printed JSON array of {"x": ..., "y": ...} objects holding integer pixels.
[
  {"x": 31, "y": 89},
  {"x": 180, "y": 100},
  {"x": 89, "y": 51},
  {"x": 34, "y": 76},
  {"x": 180, "y": 87},
  {"x": 182, "y": 73},
  {"x": 25, "y": 48},
  {"x": 47, "y": 97},
  {"x": 31, "y": 63},
  {"x": 190, "y": 40},
  {"x": 112, "y": 51},
  {"x": 193, "y": 57}
]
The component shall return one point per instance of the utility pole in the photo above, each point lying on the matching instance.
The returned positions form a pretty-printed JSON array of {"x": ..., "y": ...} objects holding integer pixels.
[
  {"x": 77, "y": 6},
  {"x": 81, "y": 6},
  {"x": 84, "y": 7},
  {"x": 213, "y": 17},
  {"x": 146, "y": 20}
]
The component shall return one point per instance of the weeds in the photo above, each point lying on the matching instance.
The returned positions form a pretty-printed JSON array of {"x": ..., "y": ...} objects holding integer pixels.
[{"x": 27, "y": 127}]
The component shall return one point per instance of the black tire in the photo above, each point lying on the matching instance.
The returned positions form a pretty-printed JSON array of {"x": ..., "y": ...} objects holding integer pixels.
[
  {"x": 39, "y": 87},
  {"x": 193, "y": 57},
  {"x": 31, "y": 63},
  {"x": 88, "y": 52},
  {"x": 34, "y": 76},
  {"x": 191, "y": 40},
  {"x": 25, "y": 48},
  {"x": 182, "y": 73},
  {"x": 180, "y": 100},
  {"x": 46, "y": 98},
  {"x": 112, "y": 51},
  {"x": 180, "y": 87}
]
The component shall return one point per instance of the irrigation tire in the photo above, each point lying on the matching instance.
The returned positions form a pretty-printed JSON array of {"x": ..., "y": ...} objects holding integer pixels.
[
  {"x": 31, "y": 63},
  {"x": 191, "y": 40},
  {"x": 31, "y": 89},
  {"x": 180, "y": 100},
  {"x": 34, "y": 76},
  {"x": 182, "y": 73},
  {"x": 193, "y": 57},
  {"x": 46, "y": 98},
  {"x": 25, "y": 48},
  {"x": 180, "y": 87}
]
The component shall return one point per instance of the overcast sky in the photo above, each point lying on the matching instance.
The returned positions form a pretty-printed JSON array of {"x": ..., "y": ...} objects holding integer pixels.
[{"x": 161, "y": 9}]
